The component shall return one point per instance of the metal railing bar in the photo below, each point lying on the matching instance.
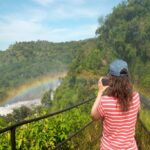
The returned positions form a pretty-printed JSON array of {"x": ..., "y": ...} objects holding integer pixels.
[
  {"x": 71, "y": 136},
  {"x": 145, "y": 101},
  {"x": 13, "y": 139},
  {"x": 43, "y": 117},
  {"x": 94, "y": 141}
]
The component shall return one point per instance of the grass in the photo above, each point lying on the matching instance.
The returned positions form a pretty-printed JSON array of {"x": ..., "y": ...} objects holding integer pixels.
[
  {"x": 142, "y": 137},
  {"x": 89, "y": 139},
  {"x": 145, "y": 117}
]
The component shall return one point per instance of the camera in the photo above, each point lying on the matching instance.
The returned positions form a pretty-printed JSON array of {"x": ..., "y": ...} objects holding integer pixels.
[{"x": 105, "y": 81}]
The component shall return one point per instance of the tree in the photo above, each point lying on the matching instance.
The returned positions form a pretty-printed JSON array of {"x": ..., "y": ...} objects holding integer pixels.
[
  {"x": 21, "y": 113},
  {"x": 46, "y": 99}
]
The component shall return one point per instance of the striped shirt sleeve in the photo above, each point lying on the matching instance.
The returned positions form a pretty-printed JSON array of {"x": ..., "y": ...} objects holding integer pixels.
[{"x": 101, "y": 109}]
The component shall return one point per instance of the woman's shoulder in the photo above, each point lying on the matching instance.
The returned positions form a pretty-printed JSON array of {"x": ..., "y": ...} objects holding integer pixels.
[
  {"x": 136, "y": 99},
  {"x": 135, "y": 94}
]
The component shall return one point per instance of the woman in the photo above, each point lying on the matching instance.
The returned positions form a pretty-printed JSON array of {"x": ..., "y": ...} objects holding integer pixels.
[{"x": 118, "y": 109}]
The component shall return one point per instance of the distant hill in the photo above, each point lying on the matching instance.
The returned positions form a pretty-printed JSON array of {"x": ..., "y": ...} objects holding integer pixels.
[{"x": 25, "y": 61}]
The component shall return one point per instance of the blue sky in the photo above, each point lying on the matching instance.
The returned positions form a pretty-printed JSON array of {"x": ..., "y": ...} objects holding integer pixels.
[{"x": 52, "y": 20}]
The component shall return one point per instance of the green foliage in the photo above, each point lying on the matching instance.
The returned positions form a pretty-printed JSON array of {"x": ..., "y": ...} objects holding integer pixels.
[
  {"x": 21, "y": 113},
  {"x": 144, "y": 116},
  {"x": 88, "y": 60},
  {"x": 142, "y": 137},
  {"x": 47, "y": 133},
  {"x": 125, "y": 34},
  {"x": 87, "y": 139},
  {"x": 46, "y": 99},
  {"x": 2, "y": 121},
  {"x": 18, "y": 114},
  {"x": 73, "y": 90},
  {"x": 24, "y": 61}
]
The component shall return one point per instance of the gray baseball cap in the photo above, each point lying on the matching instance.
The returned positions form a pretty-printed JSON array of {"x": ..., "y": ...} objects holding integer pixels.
[{"x": 118, "y": 68}]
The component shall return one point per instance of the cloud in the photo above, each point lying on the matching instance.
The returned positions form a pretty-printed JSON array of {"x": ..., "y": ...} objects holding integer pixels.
[
  {"x": 58, "y": 2},
  {"x": 17, "y": 26},
  {"x": 65, "y": 9},
  {"x": 19, "y": 30},
  {"x": 74, "y": 2},
  {"x": 44, "y": 2},
  {"x": 67, "y": 34},
  {"x": 52, "y": 23},
  {"x": 65, "y": 13},
  {"x": 26, "y": 28}
]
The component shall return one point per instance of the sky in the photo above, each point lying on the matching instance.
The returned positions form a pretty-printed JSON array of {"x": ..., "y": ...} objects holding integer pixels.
[{"x": 51, "y": 20}]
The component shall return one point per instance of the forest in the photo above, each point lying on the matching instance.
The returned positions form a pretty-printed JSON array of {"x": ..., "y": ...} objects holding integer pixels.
[
  {"x": 24, "y": 61},
  {"x": 125, "y": 34}
]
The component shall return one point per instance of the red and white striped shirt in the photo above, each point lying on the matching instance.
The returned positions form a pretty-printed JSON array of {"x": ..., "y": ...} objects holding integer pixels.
[{"x": 118, "y": 126}]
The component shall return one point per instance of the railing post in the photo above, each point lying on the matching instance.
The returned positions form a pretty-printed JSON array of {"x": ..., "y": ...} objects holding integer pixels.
[{"x": 13, "y": 139}]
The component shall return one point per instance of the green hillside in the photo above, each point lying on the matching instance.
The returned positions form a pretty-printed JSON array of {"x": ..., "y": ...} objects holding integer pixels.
[
  {"x": 24, "y": 61},
  {"x": 126, "y": 34}
]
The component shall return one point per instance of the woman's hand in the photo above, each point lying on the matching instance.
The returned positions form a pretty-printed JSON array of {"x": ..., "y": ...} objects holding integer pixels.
[
  {"x": 94, "y": 111},
  {"x": 101, "y": 87}
]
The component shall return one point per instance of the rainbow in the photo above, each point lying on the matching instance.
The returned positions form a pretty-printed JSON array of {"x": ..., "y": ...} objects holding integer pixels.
[{"x": 31, "y": 85}]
